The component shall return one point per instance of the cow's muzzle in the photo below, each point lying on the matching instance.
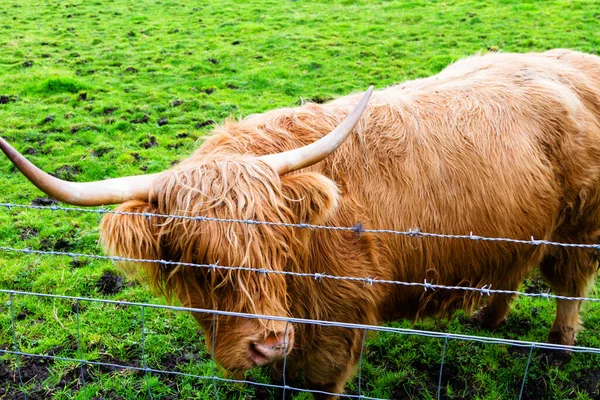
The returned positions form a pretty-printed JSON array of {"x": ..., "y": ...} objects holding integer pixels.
[{"x": 272, "y": 348}]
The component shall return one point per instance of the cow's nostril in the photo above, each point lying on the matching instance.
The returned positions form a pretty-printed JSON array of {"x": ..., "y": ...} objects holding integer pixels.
[
  {"x": 276, "y": 339},
  {"x": 257, "y": 355},
  {"x": 272, "y": 348}
]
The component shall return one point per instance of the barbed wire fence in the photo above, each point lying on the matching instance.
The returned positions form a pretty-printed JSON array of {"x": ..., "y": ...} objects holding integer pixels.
[{"x": 485, "y": 290}]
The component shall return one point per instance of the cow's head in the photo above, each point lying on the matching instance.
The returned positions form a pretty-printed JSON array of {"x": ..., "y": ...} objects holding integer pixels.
[{"x": 220, "y": 187}]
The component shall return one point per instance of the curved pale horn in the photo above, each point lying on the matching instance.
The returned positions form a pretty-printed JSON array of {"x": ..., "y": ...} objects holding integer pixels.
[
  {"x": 308, "y": 155},
  {"x": 110, "y": 191}
]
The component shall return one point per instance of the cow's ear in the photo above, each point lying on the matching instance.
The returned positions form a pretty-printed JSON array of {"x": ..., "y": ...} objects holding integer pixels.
[{"x": 311, "y": 196}]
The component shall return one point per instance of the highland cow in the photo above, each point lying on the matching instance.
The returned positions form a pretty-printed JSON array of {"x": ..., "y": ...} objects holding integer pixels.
[{"x": 502, "y": 145}]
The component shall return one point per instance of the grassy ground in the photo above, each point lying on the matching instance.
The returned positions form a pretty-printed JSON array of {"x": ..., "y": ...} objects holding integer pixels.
[{"x": 95, "y": 89}]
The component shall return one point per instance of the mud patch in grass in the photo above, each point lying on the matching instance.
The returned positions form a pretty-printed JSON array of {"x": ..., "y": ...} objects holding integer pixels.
[
  {"x": 67, "y": 172},
  {"x": 28, "y": 232},
  {"x": 43, "y": 201},
  {"x": 110, "y": 283},
  {"x": 61, "y": 244}
]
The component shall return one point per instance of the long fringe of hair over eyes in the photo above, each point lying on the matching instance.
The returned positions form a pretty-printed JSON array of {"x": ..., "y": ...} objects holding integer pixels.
[{"x": 237, "y": 187}]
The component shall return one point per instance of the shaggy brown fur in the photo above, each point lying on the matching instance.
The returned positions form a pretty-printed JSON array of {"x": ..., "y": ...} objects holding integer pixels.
[{"x": 502, "y": 145}]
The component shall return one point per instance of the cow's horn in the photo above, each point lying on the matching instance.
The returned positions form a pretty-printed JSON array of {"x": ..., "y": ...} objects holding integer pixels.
[
  {"x": 306, "y": 156},
  {"x": 110, "y": 191}
]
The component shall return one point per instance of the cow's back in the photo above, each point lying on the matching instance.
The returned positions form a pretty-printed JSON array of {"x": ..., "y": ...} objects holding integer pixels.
[{"x": 501, "y": 145}]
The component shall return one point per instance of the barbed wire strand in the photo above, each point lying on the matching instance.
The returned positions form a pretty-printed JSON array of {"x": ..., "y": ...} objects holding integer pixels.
[
  {"x": 414, "y": 232},
  {"x": 484, "y": 290}
]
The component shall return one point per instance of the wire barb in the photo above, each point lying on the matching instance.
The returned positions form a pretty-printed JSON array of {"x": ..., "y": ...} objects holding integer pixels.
[
  {"x": 414, "y": 232},
  {"x": 486, "y": 289},
  {"x": 358, "y": 229},
  {"x": 427, "y": 285}
]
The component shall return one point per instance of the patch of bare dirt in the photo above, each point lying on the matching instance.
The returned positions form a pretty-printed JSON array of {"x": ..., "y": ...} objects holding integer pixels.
[
  {"x": 79, "y": 262},
  {"x": 51, "y": 244},
  {"x": 588, "y": 381},
  {"x": 110, "y": 283},
  {"x": 32, "y": 370},
  {"x": 43, "y": 201},
  {"x": 67, "y": 172},
  {"x": 151, "y": 142},
  {"x": 48, "y": 119},
  {"x": 28, "y": 232},
  {"x": 109, "y": 110},
  {"x": 101, "y": 151},
  {"x": 204, "y": 123},
  {"x": 316, "y": 99},
  {"x": 30, "y": 151},
  {"x": 142, "y": 120},
  {"x": 5, "y": 99}
]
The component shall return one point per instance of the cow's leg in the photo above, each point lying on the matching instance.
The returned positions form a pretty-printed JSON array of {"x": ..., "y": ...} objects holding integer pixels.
[
  {"x": 330, "y": 380},
  {"x": 570, "y": 273},
  {"x": 332, "y": 387},
  {"x": 497, "y": 306},
  {"x": 493, "y": 314},
  {"x": 332, "y": 363},
  {"x": 333, "y": 383}
]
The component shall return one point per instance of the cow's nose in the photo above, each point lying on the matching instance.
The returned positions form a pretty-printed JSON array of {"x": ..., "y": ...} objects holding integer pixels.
[{"x": 272, "y": 348}]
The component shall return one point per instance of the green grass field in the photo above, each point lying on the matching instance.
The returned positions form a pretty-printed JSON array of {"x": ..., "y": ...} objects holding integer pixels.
[{"x": 97, "y": 89}]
